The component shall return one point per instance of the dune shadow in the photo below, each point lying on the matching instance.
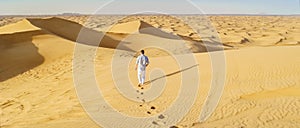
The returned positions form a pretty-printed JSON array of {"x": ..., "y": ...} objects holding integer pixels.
[
  {"x": 146, "y": 28},
  {"x": 78, "y": 33},
  {"x": 18, "y": 54},
  {"x": 198, "y": 46},
  {"x": 170, "y": 74}
]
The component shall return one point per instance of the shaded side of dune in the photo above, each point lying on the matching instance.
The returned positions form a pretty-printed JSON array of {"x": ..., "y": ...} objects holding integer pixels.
[
  {"x": 77, "y": 33},
  {"x": 139, "y": 26},
  {"x": 18, "y": 54},
  {"x": 149, "y": 29}
]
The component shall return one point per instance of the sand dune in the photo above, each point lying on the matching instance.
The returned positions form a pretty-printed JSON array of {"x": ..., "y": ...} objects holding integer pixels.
[
  {"x": 261, "y": 89},
  {"x": 28, "y": 48},
  {"x": 33, "y": 36},
  {"x": 20, "y": 26},
  {"x": 259, "y": 30},
  {"x": 71, "y": 31},
  {"x": 139, "y": 26},
  {"x": 18, "y": 54},
  {"x": 130, "y": 27},
  {"x": 28, "y": 42},
  {"x": 78, "y": 33}
]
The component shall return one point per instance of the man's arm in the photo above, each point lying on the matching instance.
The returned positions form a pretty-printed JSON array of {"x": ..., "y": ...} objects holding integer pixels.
[
  {"x": 147, "y": 61},
  {"x": 136, "y": 63},
  {"x": 135, "y": 66}
]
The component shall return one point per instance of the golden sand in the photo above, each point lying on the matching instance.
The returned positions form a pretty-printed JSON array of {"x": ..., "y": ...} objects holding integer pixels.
[{"x": 262, "y": 87}]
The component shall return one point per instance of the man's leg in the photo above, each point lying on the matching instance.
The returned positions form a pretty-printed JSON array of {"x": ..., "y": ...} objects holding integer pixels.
[
  {"x": 139, "y": 76},
  {"x": 143, "y": 77}
]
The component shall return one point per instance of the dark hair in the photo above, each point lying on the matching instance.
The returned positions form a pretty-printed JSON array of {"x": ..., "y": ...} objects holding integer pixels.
[{"x": 142, "y": 51}]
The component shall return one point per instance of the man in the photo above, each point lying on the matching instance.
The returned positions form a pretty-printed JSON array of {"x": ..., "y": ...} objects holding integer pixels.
[{"x": 142, "y": 62}]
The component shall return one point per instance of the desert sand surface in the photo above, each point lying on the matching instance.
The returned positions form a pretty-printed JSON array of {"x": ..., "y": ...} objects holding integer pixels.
[{"x": 262, "y": 86}]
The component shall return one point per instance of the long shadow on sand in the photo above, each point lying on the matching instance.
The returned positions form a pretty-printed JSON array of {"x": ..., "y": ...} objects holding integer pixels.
[
  {"x": 18, "y": 54},
  {"x": 78, "y": 33},
  {"x": 170, "y": 74}
]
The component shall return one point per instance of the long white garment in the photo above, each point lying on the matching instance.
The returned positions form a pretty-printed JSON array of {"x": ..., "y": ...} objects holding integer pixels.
[
  {"x": 142, "y": 62},
  {"x": 141, "y": 76}
]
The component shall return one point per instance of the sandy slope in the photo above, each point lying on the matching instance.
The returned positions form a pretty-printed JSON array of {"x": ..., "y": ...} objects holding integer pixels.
[{"x": 261, "y": 89}]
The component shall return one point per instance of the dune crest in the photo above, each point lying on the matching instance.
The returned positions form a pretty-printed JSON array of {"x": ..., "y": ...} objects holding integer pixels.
[
  {"x": 129, "y": 27},
  {"x": 20, "y": 26},
  {"x": 24, "y": 46},
  {"x": 139, "y": 26},
  {"x": 124, "y": 36}
]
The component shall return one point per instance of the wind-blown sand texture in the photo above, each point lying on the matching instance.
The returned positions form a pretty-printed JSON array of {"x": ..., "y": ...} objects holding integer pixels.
[{"x": 262, "y": 87}]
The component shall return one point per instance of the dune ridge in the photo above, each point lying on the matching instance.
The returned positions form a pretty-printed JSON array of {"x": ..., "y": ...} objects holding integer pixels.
[{"x": 71, "y": 30}]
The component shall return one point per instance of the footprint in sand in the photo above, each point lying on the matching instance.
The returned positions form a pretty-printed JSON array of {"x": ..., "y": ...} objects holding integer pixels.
[
  {"x": 152, "y": 108},
  {"x": 161, "y": 117},
  {"x": 12, "y": 108},
  {"x": 154, "y": 123}
]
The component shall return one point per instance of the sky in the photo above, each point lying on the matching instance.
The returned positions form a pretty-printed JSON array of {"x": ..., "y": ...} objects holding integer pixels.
[{"x": 41, "y": 7}]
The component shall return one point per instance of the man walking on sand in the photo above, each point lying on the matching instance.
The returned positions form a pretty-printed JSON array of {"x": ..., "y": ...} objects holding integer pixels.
[{"x": 142, "y": 62}]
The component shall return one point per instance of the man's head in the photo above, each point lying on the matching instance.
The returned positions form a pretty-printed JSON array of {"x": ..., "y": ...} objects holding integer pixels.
[{"x": 142, "y": 51}]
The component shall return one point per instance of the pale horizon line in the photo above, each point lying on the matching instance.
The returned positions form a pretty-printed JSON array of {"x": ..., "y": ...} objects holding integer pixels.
[{"x": 213, "y": 14}]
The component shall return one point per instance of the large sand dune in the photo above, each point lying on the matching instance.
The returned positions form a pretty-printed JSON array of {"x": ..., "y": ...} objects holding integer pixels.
[
  {"x": 139, "y": 26},
  {"x": 37, "y": 87},
  {"x": 28, "y": 47},
  {"x": 137, "y": 32}
]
